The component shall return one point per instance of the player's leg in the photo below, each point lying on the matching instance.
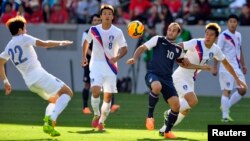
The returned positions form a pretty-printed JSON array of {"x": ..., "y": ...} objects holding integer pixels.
[
  {"x": 237, "y": 95},
  {"x": 109, "y": 87},
  {"x": 155, "y": 86},
  {"x": 85, "y": 91},
  {"x": 226, "y": 84},
  {"x": 114, "y": 107},
  {"x": 171, "y": 97},
  {"x": 96, "y": 80},
  {"x": 50, "y": 87}
]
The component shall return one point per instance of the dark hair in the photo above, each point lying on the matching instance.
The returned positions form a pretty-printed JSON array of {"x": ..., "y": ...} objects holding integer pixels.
[
  {"x": 92, "y": 17},
  {"x": 15, "y": 23},
  {"x": 106, "y": 6},
  {"x": 233, "y": 16},
  {"x": 215, "y": 27}
]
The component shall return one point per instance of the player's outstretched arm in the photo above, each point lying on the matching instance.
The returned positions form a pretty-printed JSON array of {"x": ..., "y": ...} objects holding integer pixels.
[
  {"x": 3, "y": 77},
  {"x": 233, "y": 73},
  {"x": 136, "y": 55},
  {"x": 51, "y": 43},
  {"x": 242, "y": 62},
  {"x": 85, "y": 48},
  {"x": 122, "y": 52},
  {"x": 215, "y": 68},
  {"x": 184, "y": 62}
]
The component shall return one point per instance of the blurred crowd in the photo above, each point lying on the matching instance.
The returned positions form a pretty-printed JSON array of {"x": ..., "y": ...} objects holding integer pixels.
[{"x": 150, "y": 12}]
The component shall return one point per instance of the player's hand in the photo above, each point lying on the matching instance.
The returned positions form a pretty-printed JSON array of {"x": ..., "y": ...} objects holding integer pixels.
[
  {"x": 113, "y": 60},
  {"x": 84, "y": 61},
  {"x": 66, "y": 43},
  {"x": 7, "y": 88},
  {"x": 207, "y": 67},
  {"x": 244, "y": 69},
  {"x": 214, "y": 71},
  {"x": 185, "y": 62},
  {"x": 131, "y": 61},
  {"x": 241, "y": 83}
]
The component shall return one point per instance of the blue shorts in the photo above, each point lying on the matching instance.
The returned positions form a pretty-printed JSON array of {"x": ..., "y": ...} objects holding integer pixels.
[{"x": 168, "y": 90}]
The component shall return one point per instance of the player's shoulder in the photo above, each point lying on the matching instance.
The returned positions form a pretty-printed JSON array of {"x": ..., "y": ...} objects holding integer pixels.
[{"x": 113, "y": 27}]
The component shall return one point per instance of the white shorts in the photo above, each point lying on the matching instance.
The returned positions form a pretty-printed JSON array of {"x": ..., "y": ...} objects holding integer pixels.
[
  {"x": 107, "y": 81},
  {"x": 46, "y": 86},
  {"x": 183, "y": 85},
  {"x": 227, "y": 81}
]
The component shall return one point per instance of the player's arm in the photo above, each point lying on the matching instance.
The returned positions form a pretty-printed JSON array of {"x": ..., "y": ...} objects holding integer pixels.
[
  {"x": 230, "y": 69},
  {"x": 137, "y": 54},
  {"x": 146, "y": 46},
  {"x": 85, "y": 48},
  {"x": 185, "y": 63},
  {"x": 215, "y": 67},
  {"x": 52, "y": 43},
  {"x": 242, "y": 62},
  {"x": 3, "y": 77},
  {"x": 122, "y": 52}
]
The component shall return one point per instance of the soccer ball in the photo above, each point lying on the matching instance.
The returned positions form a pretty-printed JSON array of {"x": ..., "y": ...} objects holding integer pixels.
[{"x": 135, "y": 29}]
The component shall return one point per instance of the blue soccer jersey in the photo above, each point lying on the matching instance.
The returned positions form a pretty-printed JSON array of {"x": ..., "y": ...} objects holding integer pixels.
[{"x": 165, "y": 54}]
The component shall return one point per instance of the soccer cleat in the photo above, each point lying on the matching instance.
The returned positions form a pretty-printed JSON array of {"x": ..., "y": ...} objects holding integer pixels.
[
  {"x": 114, "y": 108},
  {"x": 150, "y": 123},
  {"x": 86, "y": 111},
  {"x": 54, "y": 133},
  {"x": 95, "y": 121},
  {"x": 162, "y": 130},
  {"x": 169, "y": 135},
  {"x": 225, "y": 120},
  {"x": 48, "y": 127},
  {"x": 101, "y": 127}
]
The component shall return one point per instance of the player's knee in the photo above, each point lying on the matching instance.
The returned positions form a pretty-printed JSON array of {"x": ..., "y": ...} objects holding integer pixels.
[
  {"x": 156, "y": 87},
  {"x": 66, "y": 90},
  {"x": 242, "y": 92},
  {"x": 193, "y": 102}
]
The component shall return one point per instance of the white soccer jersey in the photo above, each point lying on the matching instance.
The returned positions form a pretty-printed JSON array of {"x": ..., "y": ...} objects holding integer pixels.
[
  {"x": 106, "y": 44},
  {"x": 22, "y": 54},
  {"x": 198, "y": 54},
  {"x": 230, "y": 45}
]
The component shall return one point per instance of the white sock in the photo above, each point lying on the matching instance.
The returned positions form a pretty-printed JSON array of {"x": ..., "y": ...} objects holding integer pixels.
[
  {"x": 49, "y": 109},
  {"x": 95, "y": 102},
  {"x": 184, "y": 105},
  {"x": 60, "y": 105},
  {"x": 105, "y": 111},
  {"x": 225, "y": 106},
  {"x": 236, "y": 97},
  {"x": 179, "y": 119}
]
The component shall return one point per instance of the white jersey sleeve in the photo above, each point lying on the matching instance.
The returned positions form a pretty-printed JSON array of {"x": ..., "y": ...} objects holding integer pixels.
[
  {"x": 84, "y": 36},
  {"x": 219, "y": 54},
  {"x": 30, "y": 40},
  {"x": 182, "y": 54},
  {"x": 220, "y": 41},
  {"x": 190, "y": 45},
  {"x": 121, "y": 40},
  {"x": 152, "y": 42},
  {"x": 89, "y": 36}
]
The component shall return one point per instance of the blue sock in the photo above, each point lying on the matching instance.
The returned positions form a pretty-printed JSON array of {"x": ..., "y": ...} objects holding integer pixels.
[
  {"x": 153, "y": 99},
  {"x": 85, "y": 97},
  {"x": 172, "y": 117}
]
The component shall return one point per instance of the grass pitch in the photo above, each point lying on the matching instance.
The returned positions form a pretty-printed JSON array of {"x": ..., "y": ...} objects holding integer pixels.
[{"x": 22, "y": 112}]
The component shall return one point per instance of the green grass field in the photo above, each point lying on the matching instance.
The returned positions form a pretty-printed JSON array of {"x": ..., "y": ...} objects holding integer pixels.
[{"x": 21, "y": 117}]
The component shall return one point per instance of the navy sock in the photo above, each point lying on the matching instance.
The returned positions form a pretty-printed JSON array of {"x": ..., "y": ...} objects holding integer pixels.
[
  {"x": 172, "y": 117},
  {"x": 113, "y": 100},
  {"x": 85, "y": 97},
  {"x": 153, "y": 99}
]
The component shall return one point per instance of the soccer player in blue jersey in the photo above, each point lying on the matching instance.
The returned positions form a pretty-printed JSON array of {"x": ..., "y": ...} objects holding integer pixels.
[{"x": 159, "y": 74}]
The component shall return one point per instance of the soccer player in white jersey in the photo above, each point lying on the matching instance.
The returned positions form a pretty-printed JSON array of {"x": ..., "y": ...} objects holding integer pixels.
[
  {"x": 20, "y": 50},
  {"x": 109, "y": 45},
  {"x": 199, "y": 52},
  {"x": 230, "y": 43}
]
